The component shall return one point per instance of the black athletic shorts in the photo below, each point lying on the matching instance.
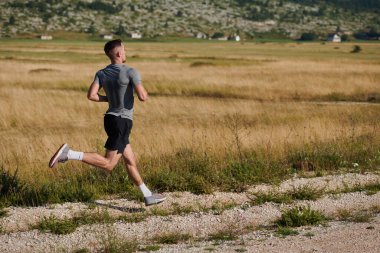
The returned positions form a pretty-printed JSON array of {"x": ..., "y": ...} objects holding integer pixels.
[{"x": 118, "y": 130}]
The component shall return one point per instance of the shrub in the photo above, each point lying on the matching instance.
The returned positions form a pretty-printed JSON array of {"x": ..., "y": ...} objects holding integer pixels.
[
  {"x": 55, "y": 226},
  {"x": 308, "y": 36},
  {"x": 300, "y": 216},
  {"x": 356, "y": 49}
]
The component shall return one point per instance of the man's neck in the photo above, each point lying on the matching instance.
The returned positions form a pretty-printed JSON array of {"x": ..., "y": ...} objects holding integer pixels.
[{"x": 116, "y": 62}]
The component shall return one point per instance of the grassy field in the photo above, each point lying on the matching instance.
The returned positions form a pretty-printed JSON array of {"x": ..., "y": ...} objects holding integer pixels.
[{"x": 221, "y": 115}]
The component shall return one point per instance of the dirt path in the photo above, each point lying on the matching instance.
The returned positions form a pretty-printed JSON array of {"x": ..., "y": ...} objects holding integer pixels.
[{"x": 200, "y": 216}]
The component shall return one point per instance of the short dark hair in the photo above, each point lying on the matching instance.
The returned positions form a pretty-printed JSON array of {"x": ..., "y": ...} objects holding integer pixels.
[{"x": 111, "y": 45}]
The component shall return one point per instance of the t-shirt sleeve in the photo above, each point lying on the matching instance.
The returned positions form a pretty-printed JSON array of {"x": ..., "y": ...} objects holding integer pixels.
[
  {"x": 135, "y": 76},
  {"x": 97, "y": 79}
]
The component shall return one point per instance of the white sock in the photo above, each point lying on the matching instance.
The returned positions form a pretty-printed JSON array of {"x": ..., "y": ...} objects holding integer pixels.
[
  {"x": 145, "y": 191},
  {"x": 75, "y": 155}
]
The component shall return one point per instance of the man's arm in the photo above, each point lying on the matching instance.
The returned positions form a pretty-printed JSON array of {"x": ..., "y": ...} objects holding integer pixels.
[
  {"x": 141, "y": 92},
  {"x": 93, "y": 93}
]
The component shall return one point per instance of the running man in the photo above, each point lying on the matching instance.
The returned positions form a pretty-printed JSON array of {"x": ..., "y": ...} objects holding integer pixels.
[{"x": 118, "y": 81}]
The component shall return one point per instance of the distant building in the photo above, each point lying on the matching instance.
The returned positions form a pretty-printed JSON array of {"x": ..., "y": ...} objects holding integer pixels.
[
  {"x": 107, "y": 36},
  {"x": 234, "y": 37},
  {"x": 46, "y": 37},
  {"x": 201, "y": 36},
  {"x": 333, "y": 37},
  {"x": 136, "y": 35}
]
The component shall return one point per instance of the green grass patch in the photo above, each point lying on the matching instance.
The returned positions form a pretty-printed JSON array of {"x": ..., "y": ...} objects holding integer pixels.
[
  {"x": 223, "y": 235},
  {"x": 56, "y": 226},
  {"x": 3, "y": 213},
  {"x": 261, "y": 198},
  {"x": 301, "y": 193},
  {"x": 370, "y": 189},
  {"x": 309, "y": 234},
  {"x": 113, "y": 244},
  {"x": 285, "y": 231},
  {"x": 300, "y": 216},
  {"x": 150, "y": 248},
  {"x": 83, "y": 250},
  {"x": 172, "y": 238},
  {"x": 361, "y": 216},
  {"x": 306, "y": 192},
  {"x": 68, "y": 225}
]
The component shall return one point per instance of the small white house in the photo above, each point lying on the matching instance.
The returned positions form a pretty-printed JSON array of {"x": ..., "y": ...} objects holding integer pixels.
[
  {"x": 234, "y": 37},
  {"x": 333, "y": 37},
  {"x": 201, "y": 36},
  {"x": 136, "y": 35},
  {"x": 46, "y": 37},
  {"x": 107, "y": 36}
]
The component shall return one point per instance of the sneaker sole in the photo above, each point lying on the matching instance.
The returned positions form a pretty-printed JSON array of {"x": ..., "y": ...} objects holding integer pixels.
[
  {"x": 55, "y": 157},
  {"x": 158, "y": 201}
]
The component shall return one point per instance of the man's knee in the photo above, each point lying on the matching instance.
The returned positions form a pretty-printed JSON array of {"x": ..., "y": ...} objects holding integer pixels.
[
  {"x": 110, "y": 165},
  {"x": 130, "y": 160}
]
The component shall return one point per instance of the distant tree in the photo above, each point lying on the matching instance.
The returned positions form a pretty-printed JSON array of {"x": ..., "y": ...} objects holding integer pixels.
[
  {"x": 92, "y": 29},
  {"x": 308, "y": 36},
  {"x": 361, "y": 35},
  {"x": 344, "y": 37},
  {"x": 120, "y": 30},
  {"x": 11, "y": 20},
  {"x": 46, "y": 16},
  {"x": 217, "y": 35},
  {"x": 373, "y": 32},
  {"x": 179, "y": 13}
]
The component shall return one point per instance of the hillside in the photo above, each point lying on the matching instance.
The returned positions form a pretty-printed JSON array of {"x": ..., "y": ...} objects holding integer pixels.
[{"x": 186, "y": 18}]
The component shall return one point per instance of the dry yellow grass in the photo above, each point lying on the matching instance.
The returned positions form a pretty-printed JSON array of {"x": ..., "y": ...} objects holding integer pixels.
[{"x": 268, "y": 89}]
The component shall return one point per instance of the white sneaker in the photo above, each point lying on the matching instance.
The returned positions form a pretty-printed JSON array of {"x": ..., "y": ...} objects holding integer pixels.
[
  {"x": 59, "y": 156},
  {"x": 154, "y": 199}
]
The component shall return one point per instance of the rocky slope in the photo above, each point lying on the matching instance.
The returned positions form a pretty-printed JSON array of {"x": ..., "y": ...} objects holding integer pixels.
[{"x": 182, "y": 18}]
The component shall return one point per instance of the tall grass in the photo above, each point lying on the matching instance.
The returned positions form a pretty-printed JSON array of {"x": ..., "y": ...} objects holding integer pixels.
[
  {"x": 244, "y": 119},
  {"x": 194, "y": 171}
]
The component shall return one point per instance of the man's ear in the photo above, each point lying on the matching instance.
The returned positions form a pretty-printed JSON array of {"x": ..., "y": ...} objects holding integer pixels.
[{"x": 118, "y": 53}]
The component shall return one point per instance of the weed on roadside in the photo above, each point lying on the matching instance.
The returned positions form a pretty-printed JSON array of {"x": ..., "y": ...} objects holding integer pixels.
[
  {"x": 3, "y": 212},
  {"x": 361, "y": 216},
  {"x": 300, "y": 216},
  {"x": 301, "y": 193},
  {"x": 369, "y": 189},
  {"x": 262, "y": 198},
  {"x": 306, "y": 193},
  {"x": 56, "y": 226},
  {"x": 309, "y": 234},
  {"x": 111, "y": 243},
  {"x": 285, "y": 231},
  {"x": 223, "y": 235},
  {"x": 241, "y": 250},
  {"x": 172, "y": 238},
  {"x": 150, "y": 248},
  {"x": 68, "y": 225},
  {"x": 84, "y": 250}
]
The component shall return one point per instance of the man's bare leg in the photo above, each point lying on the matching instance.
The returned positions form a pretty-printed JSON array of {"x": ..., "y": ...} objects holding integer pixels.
[
  {"x": 131, "y": 166},
  {"x": 130, "y": 163},
  {"x": 107, "y": 162}
]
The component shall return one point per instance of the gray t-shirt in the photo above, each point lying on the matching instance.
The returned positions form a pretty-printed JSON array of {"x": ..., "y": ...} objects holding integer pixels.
[{"x": 118, "y": 82}]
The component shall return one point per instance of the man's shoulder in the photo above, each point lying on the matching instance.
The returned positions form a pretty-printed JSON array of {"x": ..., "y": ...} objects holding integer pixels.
[{"x": 131, "y": 70}]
